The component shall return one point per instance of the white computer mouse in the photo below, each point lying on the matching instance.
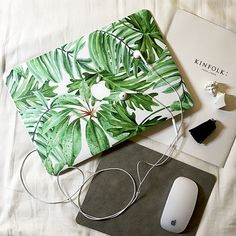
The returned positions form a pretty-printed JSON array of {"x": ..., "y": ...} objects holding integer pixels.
[{"x": 179, "y": 205}]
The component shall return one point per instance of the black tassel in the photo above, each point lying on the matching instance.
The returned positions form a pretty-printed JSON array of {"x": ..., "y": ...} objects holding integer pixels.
[{"x": 202, "y": 131}]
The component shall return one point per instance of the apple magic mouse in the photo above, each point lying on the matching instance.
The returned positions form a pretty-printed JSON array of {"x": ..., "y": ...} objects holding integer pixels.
[{"x": 179, "y": 205}]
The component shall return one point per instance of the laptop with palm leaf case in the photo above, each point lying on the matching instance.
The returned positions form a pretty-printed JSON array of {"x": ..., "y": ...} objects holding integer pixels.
[{"x": 69, "y": 98}]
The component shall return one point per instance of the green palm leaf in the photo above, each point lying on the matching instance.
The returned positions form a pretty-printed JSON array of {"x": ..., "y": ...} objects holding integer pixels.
[
  {"x": 45, "y": 67},
  {"x": 164, "y": 71},
  {"x": 56, "y": 122},
  {"x": 58, "y": 139},
  {"x": 61, "y": 144},
  {"x": 89, "y": 77},
  {"x": 120, "y": 124},
  {"x": 96, "y": 138},
  {"x": 151, "y": 42},
  {"x": 152, "y": 122},
  {"x": 56, "y": 119},
  {"x": 173, "y": 88},
  {"x": 52, "y": 65},
  {"x": 109, "y": 53},
  {"x": 26, "y": 91},
  {"x": 186, "y": 102},
  {"x": 71, "y": 143},
  {"x": 117, "y": 121},
  {"x": 65, "y": 101},
  {"x": 141, "y": 101},
  {"x": 134, "y": 100},
  {"x": 111, "y": 50},
  {"x": 34, "y": 120}
]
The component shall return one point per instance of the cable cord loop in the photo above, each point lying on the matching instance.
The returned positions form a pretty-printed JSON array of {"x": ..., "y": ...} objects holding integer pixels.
[
  {"x": 66, "y": 200},
  {"x": 136, "y": 188}
]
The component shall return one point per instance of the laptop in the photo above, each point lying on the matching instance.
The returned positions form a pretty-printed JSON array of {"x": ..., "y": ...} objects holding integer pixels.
[{"x": 90, "y": 94}]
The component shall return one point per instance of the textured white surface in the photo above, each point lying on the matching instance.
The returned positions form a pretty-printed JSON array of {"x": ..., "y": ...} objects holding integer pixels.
[{"x": 29, "y": 28}]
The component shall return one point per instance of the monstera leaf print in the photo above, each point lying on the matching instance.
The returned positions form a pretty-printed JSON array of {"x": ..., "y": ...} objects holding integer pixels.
[
  {"x": 170, "y": 81},
  {"x": 54, "y": 92},
  {"x": 151, "y": 42},
  {"x": 26, "y": 91},
  {"x": 134, "y": 101},
  {"x": 52, "y": 65}
]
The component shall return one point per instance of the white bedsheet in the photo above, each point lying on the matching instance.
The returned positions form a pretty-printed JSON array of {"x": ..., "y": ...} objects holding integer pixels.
[{"x": 29, "y": 28}]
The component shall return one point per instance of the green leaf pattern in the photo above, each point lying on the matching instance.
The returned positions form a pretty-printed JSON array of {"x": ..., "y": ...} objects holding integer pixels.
[{"x": 66, "y": 120}]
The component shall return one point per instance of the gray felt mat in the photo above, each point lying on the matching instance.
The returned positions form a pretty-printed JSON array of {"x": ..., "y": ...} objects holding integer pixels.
[{"x": 110, "y": 191}]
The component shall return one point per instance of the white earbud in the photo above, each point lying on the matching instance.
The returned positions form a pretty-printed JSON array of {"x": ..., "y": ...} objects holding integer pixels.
[
  {"x": 123, "y": 96},
  {"x": 136, "y": 54}
]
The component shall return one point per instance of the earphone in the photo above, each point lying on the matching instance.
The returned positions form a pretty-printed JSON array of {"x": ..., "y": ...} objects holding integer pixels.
[{"x": 136, "y": 188}]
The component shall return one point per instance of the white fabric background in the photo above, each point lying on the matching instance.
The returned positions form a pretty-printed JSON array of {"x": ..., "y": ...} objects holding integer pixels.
[{"x": 29, "y": 28}]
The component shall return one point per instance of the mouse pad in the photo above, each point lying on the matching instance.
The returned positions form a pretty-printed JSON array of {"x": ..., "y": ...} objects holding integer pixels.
[{"x": 112, "y": 190}]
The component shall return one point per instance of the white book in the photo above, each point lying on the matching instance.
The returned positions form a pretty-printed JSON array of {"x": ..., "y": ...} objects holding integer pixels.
[{"x": 205, "y": 52}]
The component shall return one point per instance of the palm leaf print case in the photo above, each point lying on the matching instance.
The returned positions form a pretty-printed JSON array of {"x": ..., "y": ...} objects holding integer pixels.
[{"x": 69, "y": 98}]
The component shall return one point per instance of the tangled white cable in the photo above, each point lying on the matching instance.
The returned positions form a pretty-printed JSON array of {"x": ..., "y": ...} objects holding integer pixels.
[
  {"x": 136, "y": 189},
  {"x": 68, "y": 199},
  {"x": 91, "y": 217}
]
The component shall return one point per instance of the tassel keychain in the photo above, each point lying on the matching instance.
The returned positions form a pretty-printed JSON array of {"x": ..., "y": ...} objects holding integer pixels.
[{"x": 202, "y": 131}]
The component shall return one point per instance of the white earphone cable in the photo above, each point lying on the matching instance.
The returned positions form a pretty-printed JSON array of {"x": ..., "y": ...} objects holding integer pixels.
[
  {"x": 136, "y": 189},
  {"x": 68, "y": 199},
  {"x": 164, "y": 158}
]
